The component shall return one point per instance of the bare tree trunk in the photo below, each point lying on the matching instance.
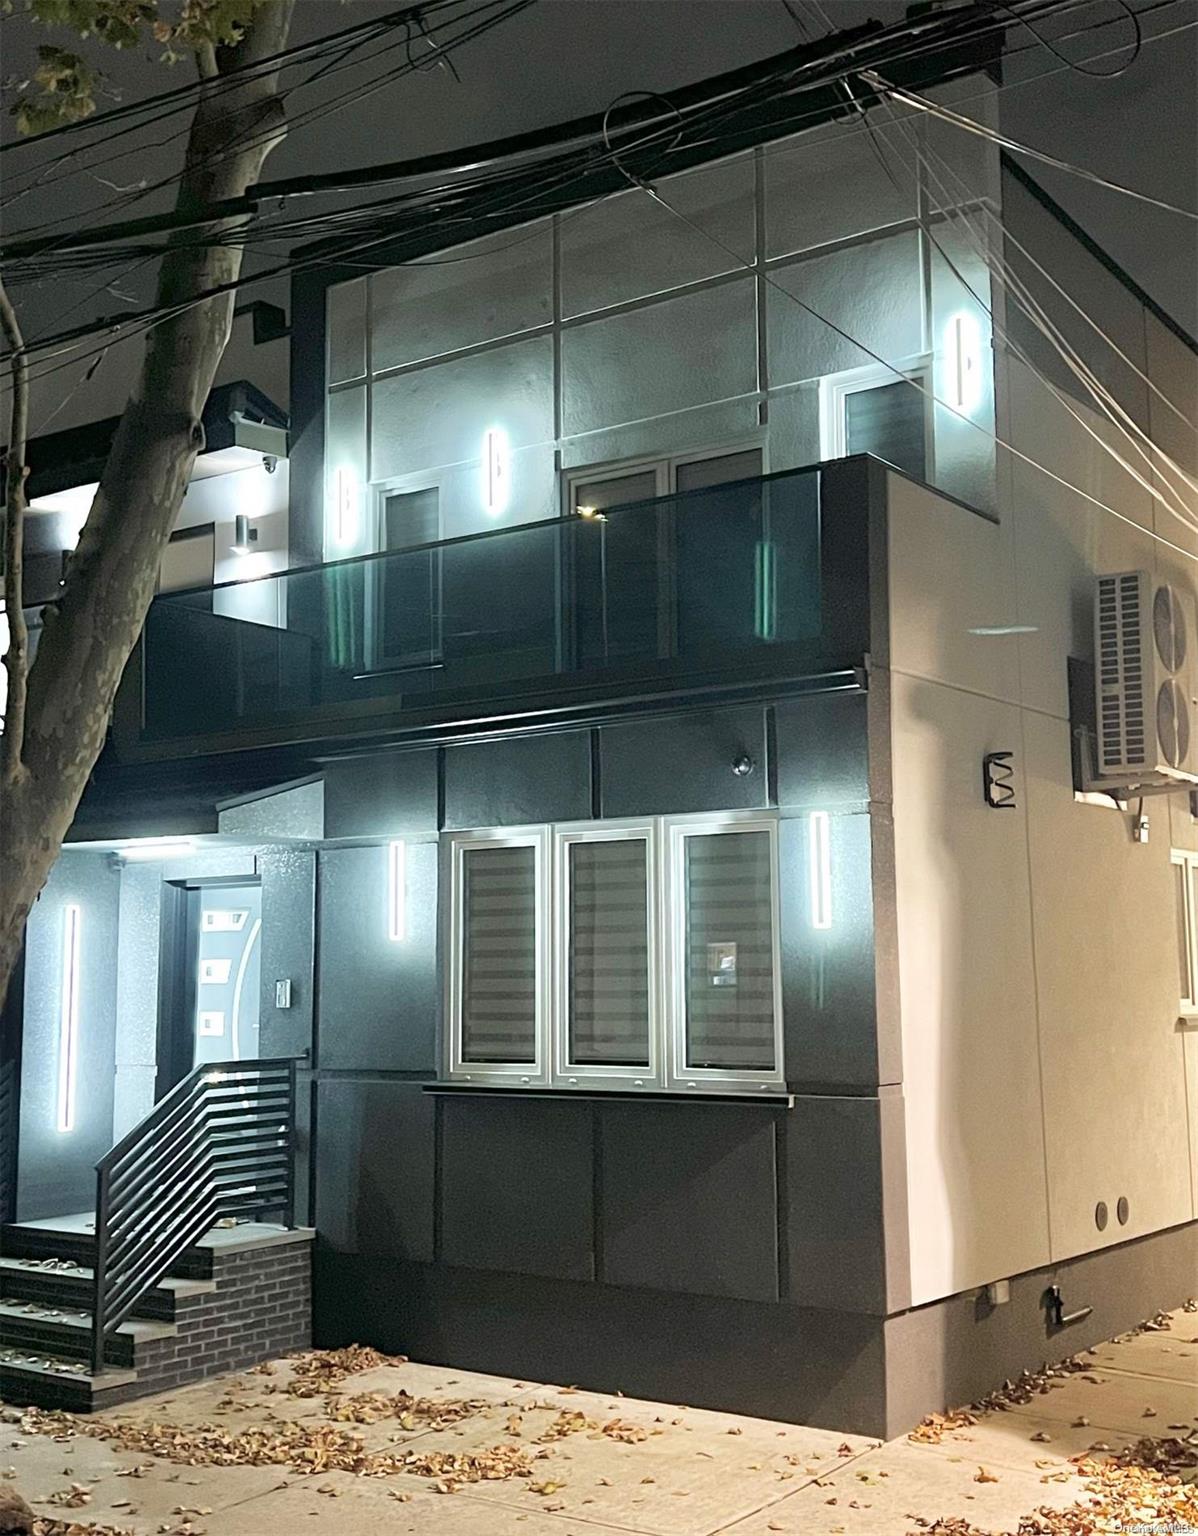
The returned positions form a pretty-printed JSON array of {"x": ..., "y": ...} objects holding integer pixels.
[
  {"x": 16, "y": 655},
  {"x": 89, "y": 634}
]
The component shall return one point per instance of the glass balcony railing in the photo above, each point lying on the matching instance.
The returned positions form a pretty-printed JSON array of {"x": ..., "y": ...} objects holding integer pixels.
[{"x": 687, "y": 583}]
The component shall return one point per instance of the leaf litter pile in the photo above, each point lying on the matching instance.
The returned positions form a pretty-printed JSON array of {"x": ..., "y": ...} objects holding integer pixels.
[
  {"x": 318, "y": 1446},
  {"x": 1149, "y": 1486}
]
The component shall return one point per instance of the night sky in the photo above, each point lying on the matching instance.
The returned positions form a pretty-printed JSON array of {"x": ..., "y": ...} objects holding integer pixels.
[{"x": 563, "y": 58}]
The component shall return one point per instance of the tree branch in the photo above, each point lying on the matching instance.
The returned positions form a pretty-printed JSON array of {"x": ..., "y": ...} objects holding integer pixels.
[{"x": 16, "y": 656}]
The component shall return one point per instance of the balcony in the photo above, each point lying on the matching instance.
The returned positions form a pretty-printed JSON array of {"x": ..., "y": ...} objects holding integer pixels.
[{"x": 735, "y": 584}]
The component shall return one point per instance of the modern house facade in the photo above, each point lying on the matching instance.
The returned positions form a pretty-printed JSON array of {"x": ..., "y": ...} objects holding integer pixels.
[{"x": 658, "y": 808}]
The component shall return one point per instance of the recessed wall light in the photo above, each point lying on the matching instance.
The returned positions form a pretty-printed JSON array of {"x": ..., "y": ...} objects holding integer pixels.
[
  {"x": 68, "y": 1017},
  {"x": 819, "y": 868},
  {"x": 397, "y": 891}
]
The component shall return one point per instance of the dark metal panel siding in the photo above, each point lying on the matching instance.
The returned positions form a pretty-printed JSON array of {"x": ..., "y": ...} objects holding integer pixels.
[
  {"x": 519, "y": 781},
  {"x": 516, "y": 1186},
  {"x": 823, "y": 750},
  {"x": 688, "y": 1198},
  {"x": 391, "y": 794},
  {"x": 307, "y": 478},
  {"x": 375, "y": 1158},
  {"x": 835, "y": 1208},
  {"x": 378, "y": 999},
  {"x": 787, "y": 1363},
  {"x": 829, "y": 999},
  {"x": 668, "y": 767},
  {"x": 288, "y": 948}
]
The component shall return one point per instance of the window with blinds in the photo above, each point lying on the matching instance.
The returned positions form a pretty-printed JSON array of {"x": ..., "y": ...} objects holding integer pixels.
[
  {"x": 729, "y": 942},
  {"x": 607, "y": 944},
  {"x": 639, "y": 954},
  {"x": 499, "y": 954},
  {"x": 889, "y": 421},
  {"x": 1185, "y": 898}
]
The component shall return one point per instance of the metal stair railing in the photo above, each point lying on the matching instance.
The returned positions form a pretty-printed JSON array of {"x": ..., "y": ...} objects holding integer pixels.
[{"x": 221, "y": 1144}]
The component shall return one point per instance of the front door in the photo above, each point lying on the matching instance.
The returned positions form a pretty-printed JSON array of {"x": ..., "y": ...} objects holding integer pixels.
[{"x": 211, "y": 973}]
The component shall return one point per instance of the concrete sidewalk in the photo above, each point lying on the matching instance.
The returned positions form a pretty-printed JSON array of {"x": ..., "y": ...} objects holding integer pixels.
[{"x": 470, "y": 1455}]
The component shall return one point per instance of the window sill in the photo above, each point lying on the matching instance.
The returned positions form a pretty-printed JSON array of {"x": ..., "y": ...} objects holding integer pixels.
[{"x": 780, "y": 1099}]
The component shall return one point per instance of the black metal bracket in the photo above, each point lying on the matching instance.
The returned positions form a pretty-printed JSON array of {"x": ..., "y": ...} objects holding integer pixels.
[
  {"x": 998, "y": 780},
  {"x": 1057, "y": 1316}
]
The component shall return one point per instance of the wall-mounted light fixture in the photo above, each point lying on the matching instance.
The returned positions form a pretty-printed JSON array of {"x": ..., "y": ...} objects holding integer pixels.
[
  {"x": 244, "y": 535},
  {"x": 68, "y": 1018},
  {"x": 157, "y": 848},
  {"x": 819, "y": 868},
  {"x": 397, "y": 892},
  {"x": 496, "y": 470},
  {"x": 345, "y": 508},
  {"x": 963, "y": 362}
]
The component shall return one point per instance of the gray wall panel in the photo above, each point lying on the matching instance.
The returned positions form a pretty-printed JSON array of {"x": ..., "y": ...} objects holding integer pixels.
[
  {"x": 391, "y": 794},
  {"x": 56, "y": 1170},
  {"x": 667, "y": 767},
  {"x": 288, "y": 948},
  {"x": 828, "y": 975},
  {"x": 378, "y": 999},
  {"x": 375, "y": 1160},
  {"x": 689, "y": 1198},
  {"x": 823, "y": 750},
  {"x": 518, "y": 782},
  {"x": 516, "y": 1185},
  {"x": 683, "y": 352},
  {"x": 834, "y": 1197},
  {"x": 787, "y": 1363}
]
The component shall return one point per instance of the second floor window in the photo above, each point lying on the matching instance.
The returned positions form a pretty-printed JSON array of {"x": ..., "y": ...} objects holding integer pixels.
[
  {"x": 1185, "y": 899},
  {"x": 635, "y": 955},
  {"x": 871, "y": 411}
]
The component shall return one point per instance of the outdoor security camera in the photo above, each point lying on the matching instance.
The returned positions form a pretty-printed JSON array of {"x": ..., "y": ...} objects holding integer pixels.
[{"x": 269, "y": 463}]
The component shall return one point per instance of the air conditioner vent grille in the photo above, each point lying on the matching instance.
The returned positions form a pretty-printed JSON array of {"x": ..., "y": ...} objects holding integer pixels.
[{"x": 1147, "y": 679}]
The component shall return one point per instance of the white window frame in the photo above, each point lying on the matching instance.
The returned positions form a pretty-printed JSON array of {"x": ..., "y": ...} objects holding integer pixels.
[
  {"x": 680, "y": 1077},
  {"x": 1188, "y": 863},
  {"x": 665, "y": 838},
  {"x": 534, "y": 1074},
  {"x": 835, "y": 387},
  {"x": 568, "y": 1074}
]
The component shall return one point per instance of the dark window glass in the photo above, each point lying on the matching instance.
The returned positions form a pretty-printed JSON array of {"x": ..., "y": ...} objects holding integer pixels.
[
  {"x": 408, "y": 624},
  {"x": 499, "y": 955},
  {"x": 608, "y": 954},
  {"x": 729, "y": 951},
  {"x": 618, "y": 569},
  {"x": 888, "y": 422}
]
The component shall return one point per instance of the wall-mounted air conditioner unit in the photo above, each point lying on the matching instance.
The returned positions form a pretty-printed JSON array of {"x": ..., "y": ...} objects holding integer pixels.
[{"x": 1146, "y": 677}]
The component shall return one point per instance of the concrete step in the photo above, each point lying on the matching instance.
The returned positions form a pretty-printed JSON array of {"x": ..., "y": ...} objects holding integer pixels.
[
  {"x": 60, "y": 1334},
  {"x": 64, "y": 1284},
  {"x": 26, "y": 1377},
  {"x": 40, "y": 1240}
]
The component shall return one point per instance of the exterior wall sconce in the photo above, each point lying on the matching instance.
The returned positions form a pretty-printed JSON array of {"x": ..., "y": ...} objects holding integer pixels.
[
  {"x": 397, "y": 892},
  {"x": 998, "y": 781},
  {"x": 68, "y": 1018},
  {"x": 244, "y": 536},
  {"x": 963, "y": 362},
  {"x": 496, "y": 471},
  {"x": 819, "y": 868}
]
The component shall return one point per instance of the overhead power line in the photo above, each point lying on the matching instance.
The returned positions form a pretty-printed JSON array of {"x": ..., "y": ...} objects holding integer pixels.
[
  {"x": 811, "y": 66},
  {"x": 922, "y": 104}
]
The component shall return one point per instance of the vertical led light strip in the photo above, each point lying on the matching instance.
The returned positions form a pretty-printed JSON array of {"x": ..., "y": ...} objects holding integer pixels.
[
  {"x": 496, "y": 460},
  {"x": 397, "y": 892},
  {"x": 819, "y": 854},
  {"x": 68, "y": 1022}
]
